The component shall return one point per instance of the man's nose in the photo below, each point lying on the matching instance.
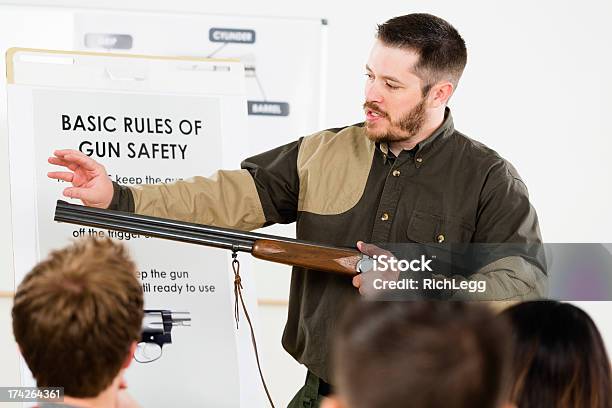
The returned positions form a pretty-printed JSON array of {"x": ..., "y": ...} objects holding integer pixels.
[{"x": 372, "y": 93}]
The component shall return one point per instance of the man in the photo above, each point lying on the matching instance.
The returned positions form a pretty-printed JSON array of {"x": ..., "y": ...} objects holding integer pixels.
[
  {"x": 403, "y": 175},
  {"x": 77, "y": 317},
  {"x": 421, "y": 354}
]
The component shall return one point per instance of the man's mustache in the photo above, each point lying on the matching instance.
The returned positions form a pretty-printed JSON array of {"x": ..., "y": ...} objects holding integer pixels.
[{"x": 373, "y": 106}]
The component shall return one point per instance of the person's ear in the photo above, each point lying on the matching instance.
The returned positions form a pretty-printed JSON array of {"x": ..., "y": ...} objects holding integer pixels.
[
  {"x": 130, "y": 356},
  {"x": 126, "y": 364},
  {"x": 440, "y": 93},
  {"x": 333, "y": 402}
]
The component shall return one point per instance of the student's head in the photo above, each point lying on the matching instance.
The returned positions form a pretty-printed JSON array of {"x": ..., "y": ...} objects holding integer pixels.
[
  {"x": 78, "y": 315},
  {"x": 420, "y": 354},
  {"x": 559, "y": 360},
  {"x": 413, "y": 69}
]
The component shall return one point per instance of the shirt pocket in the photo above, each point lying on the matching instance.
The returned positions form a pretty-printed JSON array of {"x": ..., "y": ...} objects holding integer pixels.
[
  {"x": 444, "y": 239},
  {"x": 427, "y": 228}
]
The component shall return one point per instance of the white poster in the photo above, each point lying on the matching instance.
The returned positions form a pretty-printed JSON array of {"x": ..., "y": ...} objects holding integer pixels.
[
  {"x": 145, "y": 139},
  {"x": 148, "y": 120}
]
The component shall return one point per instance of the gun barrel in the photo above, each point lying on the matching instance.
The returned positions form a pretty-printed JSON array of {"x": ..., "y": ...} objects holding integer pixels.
[
  {"x": 268, "y": 247},
  {"x": 151, "y": 226},
  {"x": 166, "y": 228},
  {"x": 161, "y": 321},
  {"x": 181, "y": 318}
]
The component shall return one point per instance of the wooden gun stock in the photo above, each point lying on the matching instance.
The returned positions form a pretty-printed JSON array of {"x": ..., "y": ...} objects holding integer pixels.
[{"x": 327, "y": 259}]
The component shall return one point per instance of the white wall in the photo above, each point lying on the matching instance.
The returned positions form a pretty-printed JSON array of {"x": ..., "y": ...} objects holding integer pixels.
[{"x": 536, "y": 89}]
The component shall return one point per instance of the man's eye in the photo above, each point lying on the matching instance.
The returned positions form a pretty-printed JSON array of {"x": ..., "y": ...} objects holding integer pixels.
[
  {"x": 391, "y": 86},
  {"x": 370, "y": 76}
]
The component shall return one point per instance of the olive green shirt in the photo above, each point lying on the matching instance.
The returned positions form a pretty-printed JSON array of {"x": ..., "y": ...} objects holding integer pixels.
[{"x": 339, "y": 187}]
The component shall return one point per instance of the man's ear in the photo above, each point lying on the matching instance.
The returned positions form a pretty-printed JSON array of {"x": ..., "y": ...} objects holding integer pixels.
[
  {"x": 130, "y": 356},
  {"x": 440, "y": 93},
  {"x": 333, "y": 402}
]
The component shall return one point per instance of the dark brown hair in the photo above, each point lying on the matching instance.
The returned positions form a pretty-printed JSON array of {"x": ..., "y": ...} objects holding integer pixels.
[
  {"x": 560, "y": 359},
  {"x": 76, "y": 314},
  {"x": 442, "y": 52},
  {"x": 421, "y": 354}
]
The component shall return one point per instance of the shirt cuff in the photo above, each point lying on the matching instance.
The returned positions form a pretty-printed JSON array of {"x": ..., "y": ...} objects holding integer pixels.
[{"x": 123, "y": 199}]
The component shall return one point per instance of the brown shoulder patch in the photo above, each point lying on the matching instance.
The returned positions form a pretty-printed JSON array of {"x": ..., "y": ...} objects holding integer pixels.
[{"x": 333, "y": 168}]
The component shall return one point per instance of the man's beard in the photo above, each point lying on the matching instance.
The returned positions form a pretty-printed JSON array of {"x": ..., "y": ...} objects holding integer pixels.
[{"x": 409, "y": 124}]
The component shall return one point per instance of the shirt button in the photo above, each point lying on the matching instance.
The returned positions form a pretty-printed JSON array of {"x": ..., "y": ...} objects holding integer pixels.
[
  {"x": 440, "y": 238},
  {"x": 396, "y": 173},
  {"x": 384, "y": 217},
  {"x": 419, "y": 160}
]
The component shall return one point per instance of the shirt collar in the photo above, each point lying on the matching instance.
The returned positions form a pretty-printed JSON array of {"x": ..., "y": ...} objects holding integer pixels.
[{"x": 442, "y": 132}]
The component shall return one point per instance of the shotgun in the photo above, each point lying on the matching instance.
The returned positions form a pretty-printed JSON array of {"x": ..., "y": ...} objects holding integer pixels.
[{"x": 271, "y": 248}]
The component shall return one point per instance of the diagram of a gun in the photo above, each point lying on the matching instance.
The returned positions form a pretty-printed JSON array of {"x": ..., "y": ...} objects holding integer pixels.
[{"x": 157, "y": 331}]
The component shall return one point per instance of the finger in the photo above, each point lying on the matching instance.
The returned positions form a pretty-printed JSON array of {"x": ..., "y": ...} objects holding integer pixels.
[
  {"x": 61, "y": 162},
  {"x": 367, "y": 249},
  {"x": 77, "y": 192},
  {"x": 371, "y": 249},
  {"x": 61, "y": 175},
  {"x": 63, "y": 152},
  {"x": 357, "y": 281},
  {"x": 82, "y": 160}
]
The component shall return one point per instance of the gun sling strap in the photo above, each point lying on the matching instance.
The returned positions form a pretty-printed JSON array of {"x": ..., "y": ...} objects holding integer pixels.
[{"x": 238, "y": 296}]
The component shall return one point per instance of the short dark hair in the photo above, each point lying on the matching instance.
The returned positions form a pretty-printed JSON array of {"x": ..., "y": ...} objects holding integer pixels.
[
  {"x": 442, "y": 52},
  {"x": 421, "y": 354},
  {"x": 76, "y": 314},
  {"x": 560, "y": 359}
]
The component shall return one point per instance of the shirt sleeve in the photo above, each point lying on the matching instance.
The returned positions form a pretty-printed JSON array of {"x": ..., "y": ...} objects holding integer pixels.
[
  {"x": 276, "y": 179},
  {"x": 505, "y": 214},
  {"x": 508, "y": 224},
  {"x": 512, "y": 278},
  {"x": 123, "y": 200},
  {"x": 263, "y": 192}
]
